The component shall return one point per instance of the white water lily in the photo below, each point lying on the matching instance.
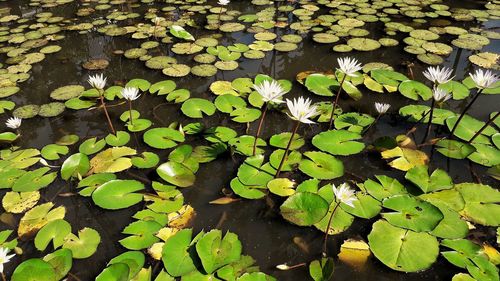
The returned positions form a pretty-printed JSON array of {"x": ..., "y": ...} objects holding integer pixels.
[
  {"x": 438, "y": 75},
  {"x": 301, "y": 110},
  {"x": 270, "y": 91},
  {"x": 345, "y": 194},
  {"x": 223, "y": 2},
  {"x": 14, "y": 122},
  {"x": 97, "y": 81},
  {"x": 130, "y": 93},
  {"x": 4, "y": 258},
  {"x": 440, "y": 95},
  {"x": 382, "y": 107},
  {"x": 484, "y": 79},
  {"x": 349, "y": 66}
]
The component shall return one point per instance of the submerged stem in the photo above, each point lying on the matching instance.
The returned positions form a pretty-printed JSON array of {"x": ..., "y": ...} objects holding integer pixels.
[
  {"x": 373, "y": 123},
  {"x": 334, "y": 105},
  {"x": 464, "y": 111},
  {"x": 287, "y": 149},
  {"x": 484, "y": 127},
  {"x": 259, "y": 128},
  {"x": 429, "y": 124},
  {"x": 418, "y": 122},
  {"x": 130, "y": 112},
  {"x": 325, "y": 239},
  {"x": 103, "y": 104}
]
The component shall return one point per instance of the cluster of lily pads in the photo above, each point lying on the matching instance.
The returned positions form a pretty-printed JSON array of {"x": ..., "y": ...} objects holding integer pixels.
[
  {"x": 441, "y": 212},
  {"x": 140, "y": 162}
]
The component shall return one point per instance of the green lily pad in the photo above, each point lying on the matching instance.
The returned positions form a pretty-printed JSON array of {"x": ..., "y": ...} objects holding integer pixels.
[
  {"x": 84, "y": 245},
  {"x": 34, "y": 270},
  {"x": 27, "y": 111},
  {"x": 54, "y": 231},
  {"x": 196, "y": 107},
  {"x": 177, "y": 253},
  {"x": 411, "y": 213},
  {"x": 216, "y": 251},
  {"x": 304, "y": 208},
  {"x": 176, "y": 173},
  {"x": 163, "y": 138},
  {"x": 67, "y": 92},
  {"x": 338, "y": 142},
  {"x": 321, "y": 165},
  {"x": 117, "y": 194},
  {"x": 438, "y": 180},
  {"x": 402, "y": 250}
]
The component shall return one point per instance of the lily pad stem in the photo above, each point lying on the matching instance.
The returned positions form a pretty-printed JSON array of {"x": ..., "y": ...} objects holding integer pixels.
[
  {"x": 259, "y": 128},
  {"x": 325, "y": 239},
  {"x": 336, "y": 101},
  {"x": 287, "y": 149}
]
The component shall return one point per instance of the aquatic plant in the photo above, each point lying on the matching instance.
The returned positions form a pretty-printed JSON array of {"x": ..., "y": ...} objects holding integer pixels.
[
  {"x": 98, "y": 82},
  {"x": 271, "y": 92},
  {"x": 348, "y": 67},
  {"x": 301, "y": 111}
]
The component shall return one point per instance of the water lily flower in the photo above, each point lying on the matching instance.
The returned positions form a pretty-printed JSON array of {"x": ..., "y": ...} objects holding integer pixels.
[
  {"x": 345, "y": 194},
  {"x": 349, "y": 66},
  {"x": 97, "y": 81},
  {"x": 223, "y": 2},
  {"x": 382, "y": 107},
  {"x": 14, "y": 122},
  {"x": 484, "y": 79},
  {"x": 270, "y": 91},
  {"x": 4, "y": 258},
  {"x": 440, "y": 95},
  {"x": 301, "y": 110},
  {"x": 130, "y": 93},
  {"x": 438, "y": 75}
]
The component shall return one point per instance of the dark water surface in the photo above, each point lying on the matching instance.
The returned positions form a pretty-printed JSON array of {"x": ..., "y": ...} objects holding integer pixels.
[{"x": 265, "y": 235}]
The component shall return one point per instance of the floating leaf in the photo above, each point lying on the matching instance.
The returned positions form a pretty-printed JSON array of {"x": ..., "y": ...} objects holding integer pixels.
[
  {"x": 338, "y": 142},
  {"x": 117, "y": 194},
  {"x": 402, "y": 250},
  {"x": 304, "y": 208},
  {"x": 84, "y": 245}
]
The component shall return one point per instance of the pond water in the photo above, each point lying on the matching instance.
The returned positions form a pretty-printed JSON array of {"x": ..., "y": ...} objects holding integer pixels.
[{"x": 264, "y": 233}]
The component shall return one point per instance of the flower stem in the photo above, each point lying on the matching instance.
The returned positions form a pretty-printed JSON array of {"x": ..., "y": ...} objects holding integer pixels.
[
  {"x": 484, "y": 127},
  {"x": 373, "y": 123},
  {"x": 336, "y": 101},
  {"x": 464, "y": 111},
  {"x": 418, "y": 122},
  {"x": 287, "y": 149},
  {"x": 429, "y": 124},
  {"x": 130, "y": 112},
  {"x": 325, "y": 239},
  {"x": 259, "y": 128},
  {"x": 103, "y": 104}
]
